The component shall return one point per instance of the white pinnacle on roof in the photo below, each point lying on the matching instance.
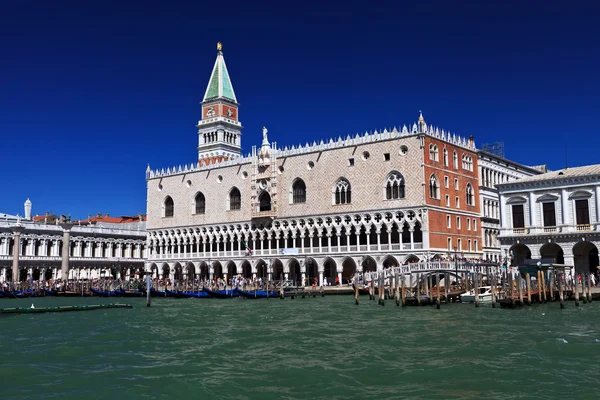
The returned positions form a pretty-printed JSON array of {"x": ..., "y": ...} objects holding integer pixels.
[{"x": 219, "y": 84}]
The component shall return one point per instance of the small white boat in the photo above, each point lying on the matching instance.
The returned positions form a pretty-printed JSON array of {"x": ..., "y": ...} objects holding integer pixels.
[{"x": 485, "y": 295}]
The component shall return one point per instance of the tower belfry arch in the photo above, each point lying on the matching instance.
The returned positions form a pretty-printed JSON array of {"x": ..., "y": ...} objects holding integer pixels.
[{"x": 219, "y": 130}]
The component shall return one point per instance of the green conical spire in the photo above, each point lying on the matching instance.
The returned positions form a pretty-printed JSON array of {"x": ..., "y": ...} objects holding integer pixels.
[{"x": 219, "y": 84}]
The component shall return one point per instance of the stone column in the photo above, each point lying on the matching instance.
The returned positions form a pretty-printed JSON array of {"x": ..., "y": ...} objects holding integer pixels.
[
  {"x": 65, "y": 249},
  {"x": 565, "y": 208},
  {"x": 597, "y": 204},
  {"x": 532, "y": 211},
  {"x": 320, "y": 276},
  {"x": 17, "y": 230}
]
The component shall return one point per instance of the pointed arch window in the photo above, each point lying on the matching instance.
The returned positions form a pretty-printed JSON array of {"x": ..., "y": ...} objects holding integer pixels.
[
  {"x": 235, "y": 199},
  {"x": 169, "y": 207},
  {"x": 445, "y": 157},
  {"x": 394, "y": 188},
  {"x": 469, "y": 195},
  {"x": 299, "y": 192},
  {"x": 455, "y": 159},
  {"x": 264, "y": 201},
  {"x": 433, "y": 152},
  {"x": 434, "y": 187},
  {"x": 343, "y": 194},
  {"x": 200, "y": 203}
]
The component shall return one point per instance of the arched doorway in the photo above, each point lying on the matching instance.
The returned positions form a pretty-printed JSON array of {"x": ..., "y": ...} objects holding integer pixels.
[
  {"x": 369, "y": 264},
  {"x": 553, "y": 252},
  {"x": 312, "y": 271},
  {"x": 48, "y": 274},
  {"x": 295, "y": 272},
  {"x": 178, "y": 272},
  {"x": 246, "y": 270},
  {"x": 23, "y": 274},
  {"x": 231, "y": 270},
  {"x": 390, "y": 261},
  {"x": 277, "y": 270},
  {"x": 191, "y": 271},
  {"x": 36, "y": 274},
  {"x": 166, "y": 271},
  {"x": 204, "y": 275},
  {"x": 261, "y": 270},
  {"x": 348, "y": 269},
  {"x": 218, "y": 270},
  {"x": 520, "y": 254},
  {"x": 585, "y": 256},
  {"x": 329, "y": 271}
]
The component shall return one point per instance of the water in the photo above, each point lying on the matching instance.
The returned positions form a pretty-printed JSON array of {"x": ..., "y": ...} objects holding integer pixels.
[{"x": 318, "y": 348}]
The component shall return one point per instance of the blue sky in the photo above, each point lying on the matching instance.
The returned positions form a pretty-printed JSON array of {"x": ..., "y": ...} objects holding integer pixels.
[{"x": 91, "y": 92}]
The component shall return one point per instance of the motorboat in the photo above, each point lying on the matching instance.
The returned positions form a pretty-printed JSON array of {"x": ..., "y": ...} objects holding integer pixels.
[{"x": 484, "y": 293}]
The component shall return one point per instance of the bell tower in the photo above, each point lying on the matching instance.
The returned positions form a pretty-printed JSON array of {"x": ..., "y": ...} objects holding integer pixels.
[{"x": 219, "y": 130}]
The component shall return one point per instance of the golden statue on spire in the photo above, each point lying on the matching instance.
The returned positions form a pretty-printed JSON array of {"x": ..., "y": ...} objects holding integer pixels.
[{"x": 219, "y": 46}]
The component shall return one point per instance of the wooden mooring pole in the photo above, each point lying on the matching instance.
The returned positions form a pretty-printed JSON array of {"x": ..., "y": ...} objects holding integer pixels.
[
  {"x": 148, "y": 289},
  {"x": 418, "y": 289},
  {"x": 493, "y": 284},
  {"x": 520, "y": 289},
  {"x": 539, "y": 284},
  {"x": 381, "y": 288},
  {"x": 576, "y": 290},
  {"x": 476, "y": 287},
  {"x": 511, "y": 289},
  {"x": 402, "y": 283},
  {"x": 560, "y": 291},
  {"x": 552, "y": 277},
  {"x": 446, "y": 283},
  {"x": 589, "y": 281},
  {"x": 356, "y": 288},
  {"x": 528, "y": 283},
  {"x": 397, "y": 288},
  {"x": 544, "y": 286}
]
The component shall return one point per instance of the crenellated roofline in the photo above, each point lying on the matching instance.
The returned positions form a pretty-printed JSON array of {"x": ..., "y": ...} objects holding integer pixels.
[{"x": 367, "y": 137}]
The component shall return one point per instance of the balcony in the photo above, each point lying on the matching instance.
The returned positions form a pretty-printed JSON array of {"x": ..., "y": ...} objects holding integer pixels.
[{"x": 550, "y": 230}]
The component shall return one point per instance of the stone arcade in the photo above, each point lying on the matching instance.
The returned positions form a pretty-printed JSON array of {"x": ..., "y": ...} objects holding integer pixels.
[{"x": 36, "y": 250}]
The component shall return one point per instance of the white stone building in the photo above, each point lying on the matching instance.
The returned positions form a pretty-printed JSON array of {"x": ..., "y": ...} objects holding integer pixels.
[
  {"x": 33, "y": 249},
  {"x": 494, "y": 170},
  {"x": 316, "y": 211},
  {"x": 553, "y": 216}
]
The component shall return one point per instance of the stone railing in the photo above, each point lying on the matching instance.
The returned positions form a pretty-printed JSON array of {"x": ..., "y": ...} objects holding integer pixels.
[{"x": 537, "y": 230}]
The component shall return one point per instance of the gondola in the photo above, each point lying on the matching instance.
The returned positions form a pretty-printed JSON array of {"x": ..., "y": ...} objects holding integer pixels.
[
  {"x": 67, "y": 293},
  {"x": 200, "y": 295},
  {"x": 223, "y": 294},
  {"x": 102, "y": 293},
  {"x": 15, "y": 294},
  {"x": 157, "y": 293},
  {"x": 259, "y": 294},
  {"x": 131, "y": 293},
  {"x": 177, "y": 294}
]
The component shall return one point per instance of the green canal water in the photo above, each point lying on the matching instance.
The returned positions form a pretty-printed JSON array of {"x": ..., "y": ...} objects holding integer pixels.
[{"x": 312, "y": 348}]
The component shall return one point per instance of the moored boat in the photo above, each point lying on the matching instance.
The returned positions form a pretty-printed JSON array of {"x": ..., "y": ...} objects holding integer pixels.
[
  {"x": 484, "y": 294},
  {"x": 222, "y": 294},
  {"x": 102, "y": 293}
]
